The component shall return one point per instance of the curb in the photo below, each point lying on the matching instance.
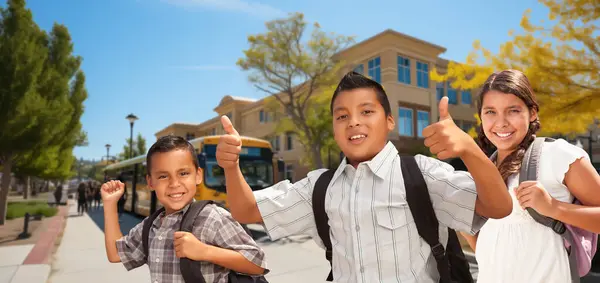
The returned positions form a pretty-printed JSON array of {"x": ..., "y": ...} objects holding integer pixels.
[{"x": 42, "y": 250}]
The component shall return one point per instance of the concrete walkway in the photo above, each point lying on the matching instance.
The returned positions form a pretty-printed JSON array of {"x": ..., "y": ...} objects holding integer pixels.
[
  {"x": 12, "y": 269},
  {"x": 81, "y": 256}
]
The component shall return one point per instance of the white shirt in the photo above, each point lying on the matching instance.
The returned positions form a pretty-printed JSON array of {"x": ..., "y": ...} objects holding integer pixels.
[
  {"x": 517, "y": 248},
  {"x": 373, "y": 233}
]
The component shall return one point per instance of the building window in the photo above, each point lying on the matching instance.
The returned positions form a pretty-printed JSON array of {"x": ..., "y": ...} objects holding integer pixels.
[
  {"x": 229, "y": 115},
  {"x": 190, "y": 136},
  {"x": 422, "y": 122},
  {"x": 439, "y": 90},
  {"x": 289, "y": 141},
  {"x": 275, "y": 143},
  {"x": 360, "y": 69},
  {"x": 405, "y": 121},
  {"x": 289, "y": 172},
  {"x": 261, "y": 116},
  {"x": 452, "y": 99},
  {"x": 422, "y": 75},
  {"x": 213, "y": 131},
  {"x": 375, "y": 69},
  {"x": 403, "y": 70},
  {"x": 465, "y": 97}
]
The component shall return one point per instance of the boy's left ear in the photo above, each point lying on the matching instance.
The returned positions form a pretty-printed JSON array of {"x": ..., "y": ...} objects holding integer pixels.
[
  {"x": 149, "y": 182},
  {"x": 199, "y": 176},
  {"x": 390, "y": 122}
]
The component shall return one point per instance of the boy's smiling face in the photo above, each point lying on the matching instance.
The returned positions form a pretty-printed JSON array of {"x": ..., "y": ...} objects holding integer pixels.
[
  {"x": 360, "y": 124},
  {"x": 174, "y": 177}
]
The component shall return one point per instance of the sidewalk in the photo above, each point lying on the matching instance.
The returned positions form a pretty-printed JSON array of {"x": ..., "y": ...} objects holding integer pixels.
[
  {"x": 13, "y": 269},
  {"x": 81, "y": 256},
  {"x": 30, "y": 263}
]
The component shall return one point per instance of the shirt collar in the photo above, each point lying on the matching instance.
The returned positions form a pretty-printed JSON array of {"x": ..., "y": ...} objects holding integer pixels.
[
  {"x": 178, "y": 214},
  {"x": 380, "y": 165}
]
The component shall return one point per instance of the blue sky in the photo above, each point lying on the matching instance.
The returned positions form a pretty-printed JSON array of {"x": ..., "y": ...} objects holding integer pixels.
[{"x": 173, "y": 60}]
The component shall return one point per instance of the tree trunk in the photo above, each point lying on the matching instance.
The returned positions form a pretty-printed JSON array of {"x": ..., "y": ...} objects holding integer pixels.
[
  {"x": 26, "y": 187},
  {"x": 4, "y": 187},
  {"x": 316, "y": 155}
]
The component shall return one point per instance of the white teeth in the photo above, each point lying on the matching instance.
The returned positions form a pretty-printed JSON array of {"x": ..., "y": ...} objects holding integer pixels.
[
  {"x": 357, "y": 137},
  {"x": 503, "y": 135},
  {"x": 176, "y": 195}
]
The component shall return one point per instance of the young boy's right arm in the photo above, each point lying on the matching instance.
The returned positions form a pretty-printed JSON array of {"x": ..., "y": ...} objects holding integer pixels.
[
  {"x": 285, "y": 209},
  {"x": 240, "y": 198},
  {"x": 126, "y": 249}
]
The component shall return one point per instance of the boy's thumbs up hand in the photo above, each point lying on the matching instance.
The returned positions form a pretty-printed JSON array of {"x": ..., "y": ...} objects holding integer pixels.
[
  {"x": 228, "y": 127},
  {"x": 229, "y": 147},
  {"x": 444, "y": 138}
]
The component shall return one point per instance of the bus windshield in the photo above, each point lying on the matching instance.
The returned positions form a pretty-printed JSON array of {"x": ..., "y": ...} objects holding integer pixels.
[{"x": 258, "y": 174}]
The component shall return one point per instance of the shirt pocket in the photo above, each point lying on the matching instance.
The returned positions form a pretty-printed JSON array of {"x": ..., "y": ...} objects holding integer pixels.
[{"x": 392, "y": 217}]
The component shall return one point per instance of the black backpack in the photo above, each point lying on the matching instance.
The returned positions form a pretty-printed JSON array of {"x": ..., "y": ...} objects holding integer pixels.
[
  {"x": 451, "y": 262},
  {"x": 190, "y": 269}
]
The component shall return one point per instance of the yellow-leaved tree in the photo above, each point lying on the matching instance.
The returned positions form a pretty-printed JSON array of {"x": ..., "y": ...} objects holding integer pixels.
[{"x": 561, "y": 60}]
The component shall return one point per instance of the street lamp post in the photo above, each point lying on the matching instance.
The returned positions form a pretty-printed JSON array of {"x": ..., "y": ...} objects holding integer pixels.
[
  {"x": 132, "y": 118},
  {"x": 107, "y": 150}
]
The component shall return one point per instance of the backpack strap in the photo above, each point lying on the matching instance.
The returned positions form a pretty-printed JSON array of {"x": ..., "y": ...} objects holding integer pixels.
[
  {"x": 419, "y": 202},
  {"x": 529, "y": 172},
  {"x": 146, "y": 230},
  {"x": 190, "y": 270},
  {"x": 321, "y": 218}
]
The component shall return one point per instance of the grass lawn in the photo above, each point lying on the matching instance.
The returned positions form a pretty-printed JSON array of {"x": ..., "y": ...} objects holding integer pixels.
[{"x": 18, "y": 209}]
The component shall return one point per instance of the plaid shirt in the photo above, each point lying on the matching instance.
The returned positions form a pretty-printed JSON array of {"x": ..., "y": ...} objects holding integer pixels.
[{"x": 213, "y": 226}]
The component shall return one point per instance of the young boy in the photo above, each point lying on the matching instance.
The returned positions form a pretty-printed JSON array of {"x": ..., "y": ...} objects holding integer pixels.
[
  {"x": 218, "y": 241},
  {"x": 373, "y": 231}
]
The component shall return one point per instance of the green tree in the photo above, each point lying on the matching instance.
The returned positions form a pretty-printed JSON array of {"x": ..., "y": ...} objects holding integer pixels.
[
  {"x": 319, "y": 119},
  {"x": 22, "y": 53},
  {"x": 293, "y": 72},
  {"x": 139, "y": 147},
  {"x": 39, "y": 107},
  {"x": 561, "y": 60}
]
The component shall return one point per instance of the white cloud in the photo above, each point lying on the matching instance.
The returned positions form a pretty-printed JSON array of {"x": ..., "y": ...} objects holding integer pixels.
[
  {"x": 206, "y": 68},
  {"x": 240, "y": 6}
]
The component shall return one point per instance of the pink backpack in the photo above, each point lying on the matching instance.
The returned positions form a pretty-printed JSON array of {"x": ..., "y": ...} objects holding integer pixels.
[{"x": 581, "y": 245}]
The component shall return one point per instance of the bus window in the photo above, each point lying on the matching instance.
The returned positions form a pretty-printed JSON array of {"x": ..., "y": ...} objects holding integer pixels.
[
  {"x": 258, "y": 173},
  {"x": 214, "y": 177},
  {"x": 256, "y": 165}
]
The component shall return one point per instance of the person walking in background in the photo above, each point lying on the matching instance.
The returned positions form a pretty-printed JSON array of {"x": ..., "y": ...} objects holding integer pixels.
[
  {"x": 81, "y": 199},
  {"x": 97, "y": 196}
]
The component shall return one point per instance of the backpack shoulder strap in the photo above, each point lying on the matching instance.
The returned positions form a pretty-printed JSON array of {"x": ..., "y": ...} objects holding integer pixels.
[
  {"x": 190, "y": 270},
  {"x": 529, "y": 172},
  {"x": 146, "y": 229},
  {"x": 419, "y": 202},
  {"x": 321, "y": 218},
  {"x": 187, "y": 223}
]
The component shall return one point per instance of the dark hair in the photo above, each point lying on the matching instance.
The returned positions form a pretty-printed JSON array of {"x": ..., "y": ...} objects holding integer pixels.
[
  {"x": 353, "y": 80},
  {"x": 516, "y": 83},
  {"x": 167, "y": 144}
]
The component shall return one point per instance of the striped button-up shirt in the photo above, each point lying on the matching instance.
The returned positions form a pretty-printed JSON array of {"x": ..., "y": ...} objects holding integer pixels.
[
  {"x": 213, "y": 226},
  {"x": 373, "y": 232}
]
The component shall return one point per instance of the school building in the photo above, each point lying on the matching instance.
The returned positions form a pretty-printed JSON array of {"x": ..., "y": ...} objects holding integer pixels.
[{"x": 401, "y": 63}]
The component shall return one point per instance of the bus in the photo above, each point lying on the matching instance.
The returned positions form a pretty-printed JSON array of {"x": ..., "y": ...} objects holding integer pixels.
[{"x": 257, "y": 163}]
